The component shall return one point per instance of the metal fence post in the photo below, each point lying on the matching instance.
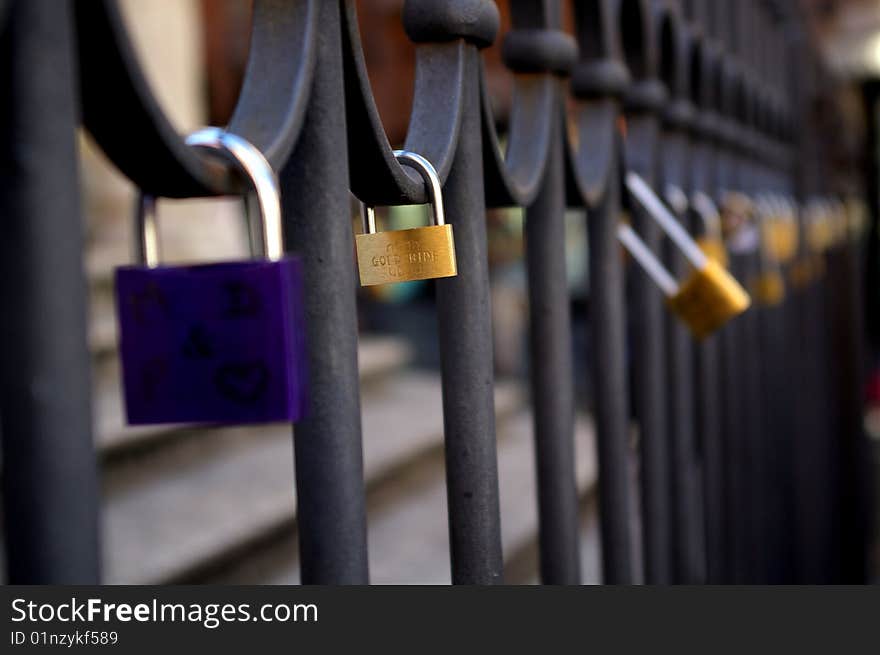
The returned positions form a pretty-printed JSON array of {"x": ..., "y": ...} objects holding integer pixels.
[
  {"x": 467, "y": 361},
  {"x": 50, "y": 483},
  {"x": 598, "y": 81},
  {"x": 331, "y": 510},
  {"x": 643, "y": 101},
  {"x": 552, "y": 375}
]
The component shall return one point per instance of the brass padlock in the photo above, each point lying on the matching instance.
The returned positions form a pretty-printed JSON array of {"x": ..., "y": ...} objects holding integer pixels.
[
  {"x": 421, "y": 253},
  {"x": 713, "y": 248},
  {"x": 818, "y": 227},
  {"x": 708, "y": 299},
  {"x": 710, "y": 296},
  {"x": 779, "y": 231},
  {"x": 768, "y": 288}
]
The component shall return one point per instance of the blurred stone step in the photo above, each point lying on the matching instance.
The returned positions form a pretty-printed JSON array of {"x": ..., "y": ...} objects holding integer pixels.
[
  {"x": 195, "y": 505},
  {"x": 407, "y": 522},
  {"x": 378, "y": 356}
]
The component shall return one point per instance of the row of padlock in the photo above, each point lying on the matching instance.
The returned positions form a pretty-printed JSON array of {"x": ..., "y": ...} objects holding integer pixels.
[
  {"x": 767, "y": 225},
  {"x": 225, "y": 342}
]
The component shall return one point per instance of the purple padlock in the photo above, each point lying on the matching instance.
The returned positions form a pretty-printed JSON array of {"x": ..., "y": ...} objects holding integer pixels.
[{"x": 214, "y": 343}]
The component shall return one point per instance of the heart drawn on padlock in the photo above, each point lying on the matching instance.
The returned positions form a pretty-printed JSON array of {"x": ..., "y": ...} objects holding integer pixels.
[{"x": 243, "y": 382}]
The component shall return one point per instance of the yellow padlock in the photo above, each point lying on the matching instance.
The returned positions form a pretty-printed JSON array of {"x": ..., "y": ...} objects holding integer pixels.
[
  {"x": 819, "y": 229},
  {"x": 856, "y": 217},
  {"x": 713, "y": 248},
  {"x": 421, "y": 253},
  {"x": 768, "y": 288},
  {"x": 736, "y": 210},
  {"x": 779, "y": 239},
  {"x": 710, "y": 296},
  {"x": 708, "y": 299}
]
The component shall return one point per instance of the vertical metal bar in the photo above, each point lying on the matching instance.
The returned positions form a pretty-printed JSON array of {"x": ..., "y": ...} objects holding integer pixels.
[
  {"x": 778, "y": 428},
  {"x": 50, "y": 486},
  {"x": 464, "y": 320},
  {"x": 734, "y": 429},
  {"x": 754, "y": 490},
  {"x": 687, "y": 556},
  {"x": 855, "y": 479},
  {"x": 708, "y": 399},
  {"x": 329, "y": 460},
  {"x": 732, "y": 407},
  {"x": 551, "y": 372},
  {"x": 649, "y": 354},
  {"x": 609, "y": 364},
  {"x": 709, "y": 426}
]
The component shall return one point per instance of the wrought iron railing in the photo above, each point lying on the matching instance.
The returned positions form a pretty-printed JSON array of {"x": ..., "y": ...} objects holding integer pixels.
[{"x": 747, "y": 440}]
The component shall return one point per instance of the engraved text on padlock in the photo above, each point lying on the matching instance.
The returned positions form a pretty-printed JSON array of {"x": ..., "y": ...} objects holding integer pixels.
[{"x": 421, "y": 253}]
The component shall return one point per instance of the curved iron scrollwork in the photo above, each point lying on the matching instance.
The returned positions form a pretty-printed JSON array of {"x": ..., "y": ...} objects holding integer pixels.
[{"x": 135, "y": 133}]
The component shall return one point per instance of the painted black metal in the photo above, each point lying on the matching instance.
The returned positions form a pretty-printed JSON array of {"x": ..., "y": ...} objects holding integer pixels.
[
  {"x": 448, "y": 71},
  {"x": 609, "y": 369},
  {"x": 331, "y": 513},
  {"x": 466, "y": 360},
  {"x": 675, "y": 163},
  {"x": 435, "y": 21},
  {"x": 50, "y": 481},
  {"x": 649, "y": 378},
  {"x": 702, "y": 69},
  {"x": 536, "y": 46},
  {"x": 137, "y": 136},
  {"x": 552, "y": 372},
  {"x": 598, "y": 81},
  {"x": 644, "y": 101}
]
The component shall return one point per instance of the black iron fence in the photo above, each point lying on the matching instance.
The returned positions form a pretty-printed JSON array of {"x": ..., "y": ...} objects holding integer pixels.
[{"x": 751, "y": 457}]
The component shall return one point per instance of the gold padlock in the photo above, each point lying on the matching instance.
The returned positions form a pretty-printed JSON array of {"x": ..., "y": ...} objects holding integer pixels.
[
  {"x": 713, "y": 248},
  {"x": 779, "y": 232},
  {"x": 737, "y": 209},
  {"x": 818, "y": 227},
  {"x": 421, "y": 253},
  {"x": 768, "y": 288},
  {"x": 708, "y": 299},
  {"x": 710, "y": 296},
  {"x": 856, "y": 217}
]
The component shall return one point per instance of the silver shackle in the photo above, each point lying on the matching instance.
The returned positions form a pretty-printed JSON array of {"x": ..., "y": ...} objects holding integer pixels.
[
  {"x": 256, "y": 168},
  {"x": 432, "y": 181}
]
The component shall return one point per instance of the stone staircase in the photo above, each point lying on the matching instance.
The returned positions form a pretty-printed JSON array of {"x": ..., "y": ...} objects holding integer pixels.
[{"x": 218, "y": 505}]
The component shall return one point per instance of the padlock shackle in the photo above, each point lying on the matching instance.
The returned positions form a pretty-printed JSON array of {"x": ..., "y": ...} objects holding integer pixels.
[
  {"x": 432, "y": 182},
  {"x": 708, "y": 212},
  {"x": 649, "y": 200},
  {"x": 147, "y": 250},
  {"x": 677, "y": 199},
  {"x": 647, "y": 260},
  {"x": 147, "y": 244},
  {"x": 257, "y": 169}
]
